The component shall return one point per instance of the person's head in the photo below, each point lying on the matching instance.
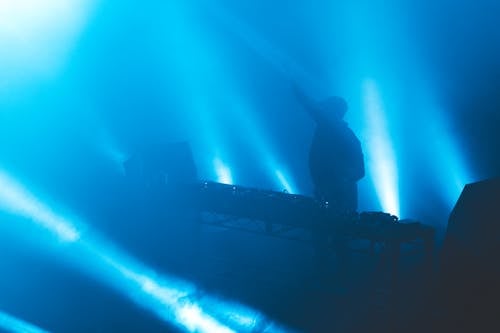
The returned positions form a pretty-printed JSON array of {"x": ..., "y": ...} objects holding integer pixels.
[{"x": 333, "y": 107}]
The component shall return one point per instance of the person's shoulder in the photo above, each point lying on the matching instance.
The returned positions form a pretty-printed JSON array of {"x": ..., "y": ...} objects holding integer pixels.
[{"x": 341, "y": 124}]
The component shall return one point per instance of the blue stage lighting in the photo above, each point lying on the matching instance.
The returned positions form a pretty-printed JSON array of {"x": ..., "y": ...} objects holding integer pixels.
[
  {"x": 35, "y": 35},
  {"x": 15, "y": 325},
  {"x": 279, "y": 59},
  {"x": 223, "y": 172},
  {"x": 449, "y": 164},
  {"x": 197, "y": 321},
  {"x": 15, "y": 199},
  {"x": 380, "y": 155},
  {"x": 262, "y": 147},
  {"x": 174, "y": 300},
  {"x": 212, "y": 93},
  {"x": 284, "y": 182},
  {"x": 239, "y": 317}
]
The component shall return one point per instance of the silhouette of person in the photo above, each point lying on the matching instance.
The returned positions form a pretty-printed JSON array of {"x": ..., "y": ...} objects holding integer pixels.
[
  {"x": 335, "y": 156},
  {"x": 336, "y": 164}
]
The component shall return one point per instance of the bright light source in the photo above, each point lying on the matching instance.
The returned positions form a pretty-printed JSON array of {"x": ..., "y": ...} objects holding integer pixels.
[
  {"x": 236, "y": 316},
  {"x": 284, "y": 182},
  {"x": 197, "y": 321},
  {"x": 17, "y": 200},
  {"x": 381, "y": 158},
  {"x": 223, "y": 172},
  {"x": 36, "y": 34},
  {"x": 15, "y": 325}
]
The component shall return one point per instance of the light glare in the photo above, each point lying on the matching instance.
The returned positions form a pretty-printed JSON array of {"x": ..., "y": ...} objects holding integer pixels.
[
  {"x": 223, "y": 172},
  {"x": 15, "y": 325},
  {"x": 284, "y": 182},
  {"x": 15, "y": 199},
  {"x": 35, "y": 34},
  {"x": 381, "y": 157}
]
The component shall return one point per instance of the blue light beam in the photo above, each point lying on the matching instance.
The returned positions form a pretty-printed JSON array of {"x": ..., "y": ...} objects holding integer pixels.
[
  {"x": 284, "y": 182},
  {"x": 449, "y": 164},
  {"x": 209, "y": 100},
  {"x": 223, "y": 172},
  {"x": 17, "y": 200},
  {"x": 276, "y": 57},
  {"x": 381, "y": 158},
  {"x": 260, "y": 143},
  {"x": 16, "y": 325},
  {"x": 173, "y": 300}
]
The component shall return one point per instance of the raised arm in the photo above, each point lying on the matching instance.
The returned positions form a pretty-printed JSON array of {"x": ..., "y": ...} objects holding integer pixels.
[{"x": 309, "y": 105}]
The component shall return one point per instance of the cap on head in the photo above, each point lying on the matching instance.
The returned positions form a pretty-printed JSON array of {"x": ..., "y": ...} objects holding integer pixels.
[{"x": 334, "y": 105}]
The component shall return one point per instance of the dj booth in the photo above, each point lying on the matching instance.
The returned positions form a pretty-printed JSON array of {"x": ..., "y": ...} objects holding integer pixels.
[
  {"x": 279, "y": 214},
  {"x": 380, "y": 238},
  {"x": 293, "y": 210}
]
